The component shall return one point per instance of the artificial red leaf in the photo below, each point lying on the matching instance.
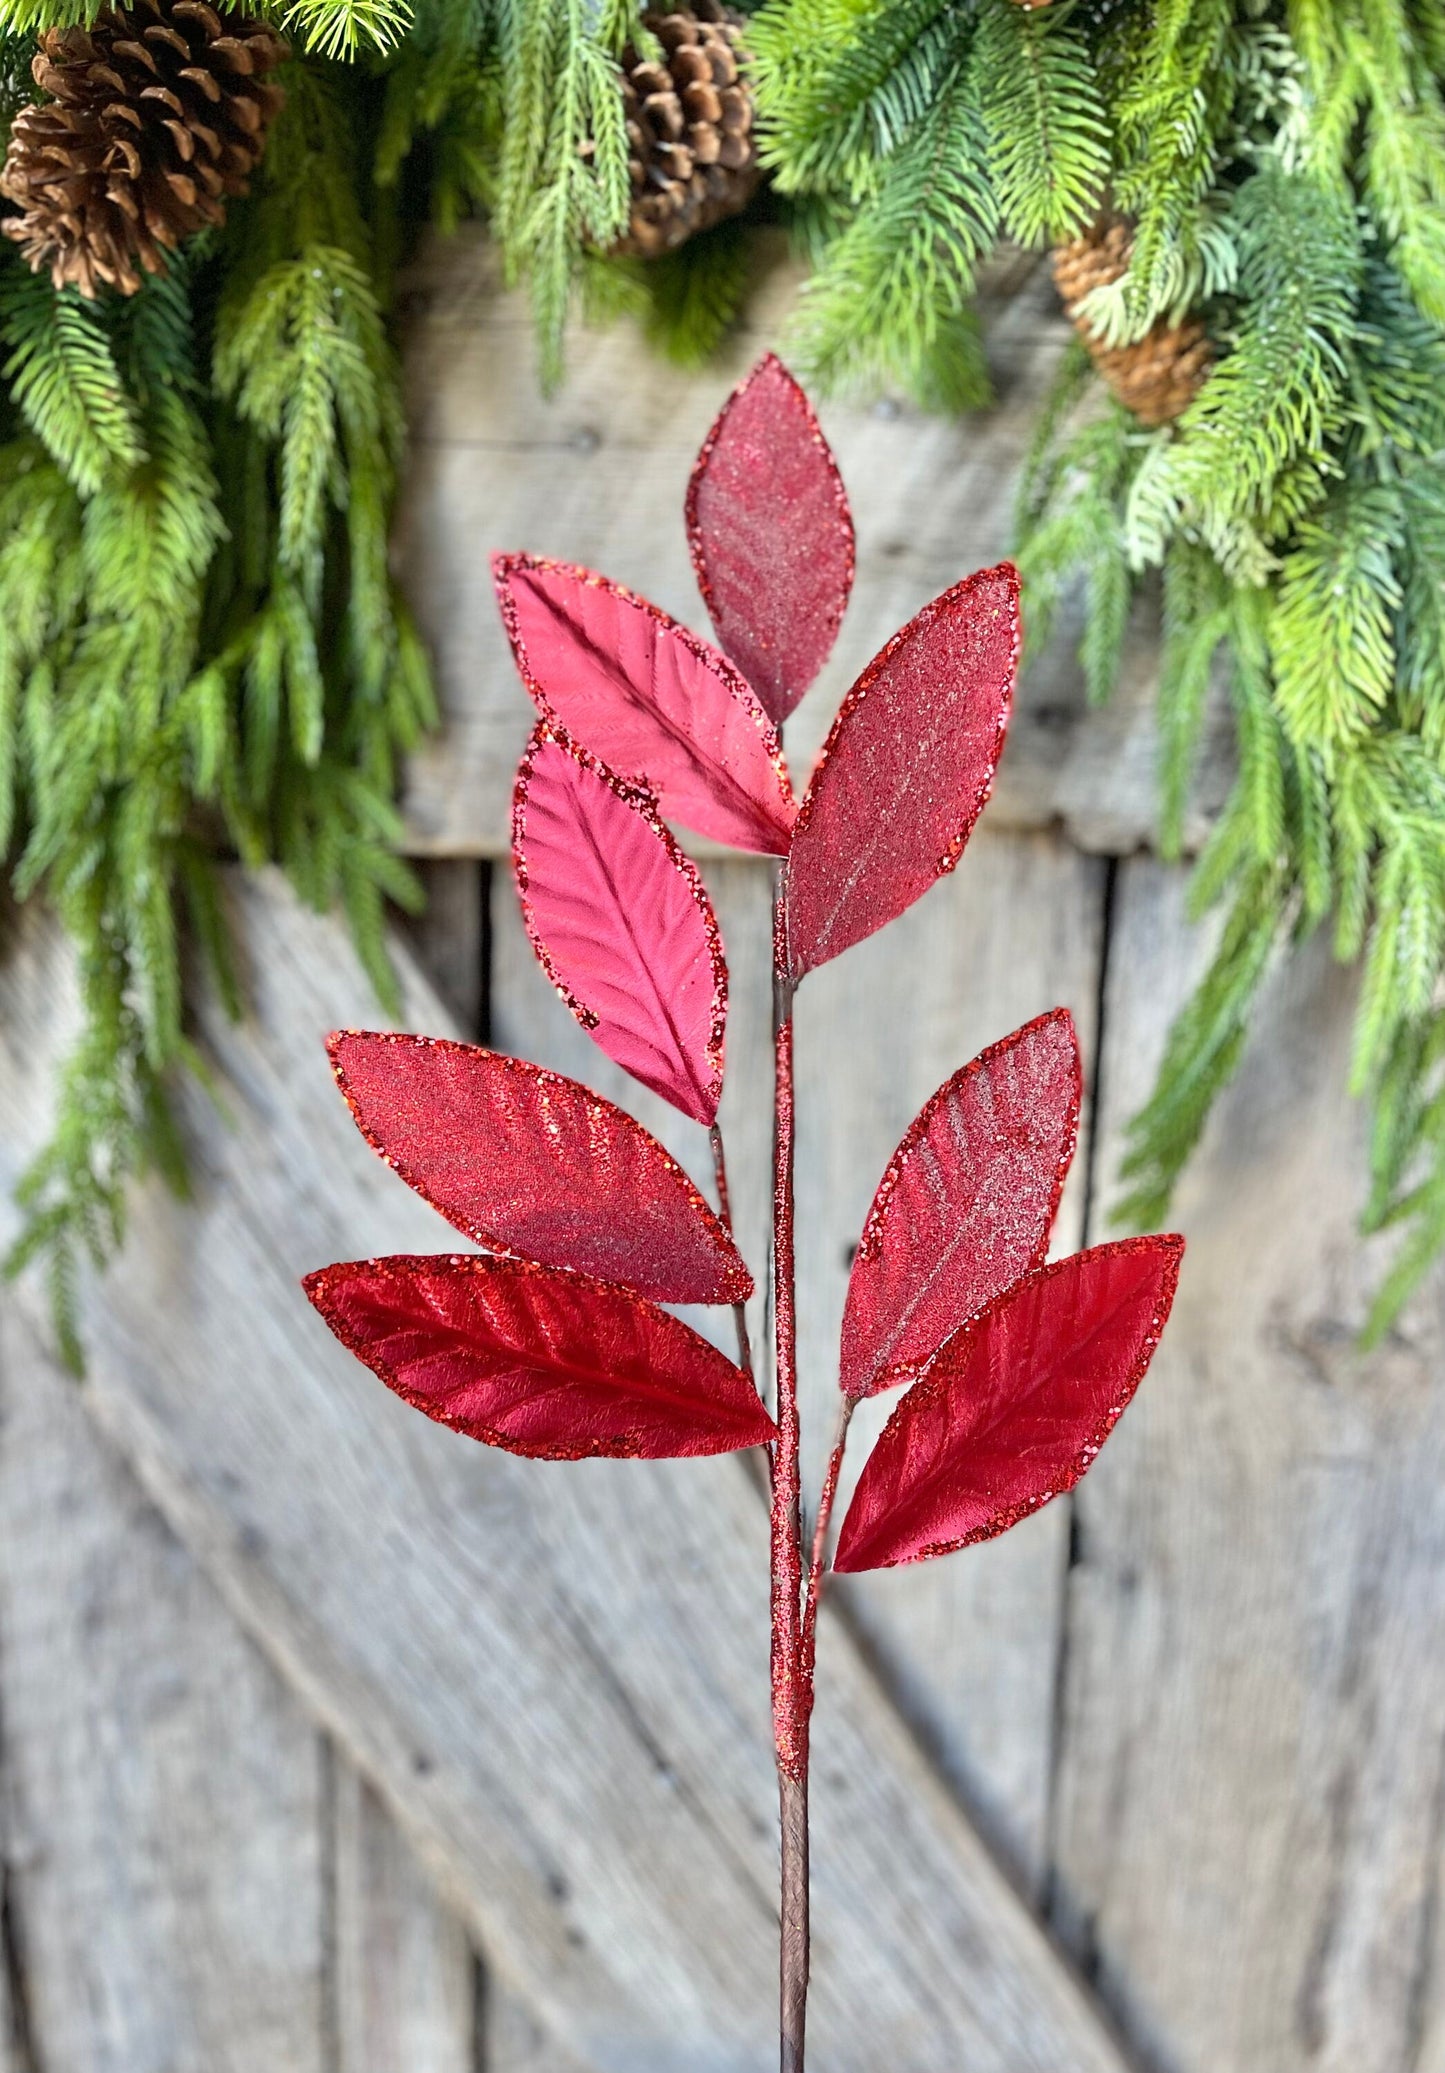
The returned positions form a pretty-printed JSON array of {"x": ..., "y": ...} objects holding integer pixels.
[
  {"x": 528, "y": 1162},
  {"x": 653, "y": 701},
  {"x": 1015, "y": 1407},
  {"x": 906, "y": 770},
  {"x": 965, "y": 1205},
  {"x": 539, "y": 1361},
  {"x": 771, "y": 535},
  {"x": 622, "y": 922}
]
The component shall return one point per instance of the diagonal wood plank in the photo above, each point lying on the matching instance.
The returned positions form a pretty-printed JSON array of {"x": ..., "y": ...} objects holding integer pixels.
[
  {"x": 970, "y": 1646},
  {"x": 1252, "y": 1782},
  {"x": 597, "y": 473},
  {"x": 555, "y": 1678},
  {"x": 163, "y": 1832}
]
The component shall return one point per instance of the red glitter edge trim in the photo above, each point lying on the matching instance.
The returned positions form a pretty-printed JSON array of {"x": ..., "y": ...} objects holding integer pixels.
[
  {"x": 738, "y": 1281},
  {"x": 1168, "y": 1243},
  {"x": 871, "y": 1239},
  {"x": 711, "y": 658},
  {"x": 854, "y": 698},
  {"x": 643, "y": 801},
  {"x": 317, "y": 1286},
  {"x": 768, "y": 364}
]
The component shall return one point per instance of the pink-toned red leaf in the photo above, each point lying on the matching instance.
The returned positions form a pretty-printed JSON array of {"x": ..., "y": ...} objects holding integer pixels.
[
  {"x": 544, "y": 1363},
  {"x": 622, "y": 922},
  {"x": 528, "y": 1162},
  {"x": 1016, "y": 1406},
  {"x": 771, "y": 536},
  {"x": 965, "y": 1205},
  {"x": 651, "y": 700},
  {"x": 906, "y": 770}
]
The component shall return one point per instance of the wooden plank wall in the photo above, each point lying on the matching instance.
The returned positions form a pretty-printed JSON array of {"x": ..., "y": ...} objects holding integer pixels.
[
  {"x": 302, "y": 1703},
  {"x": 196, "y": 1880},
  {"x": 555, "y": 1680}
]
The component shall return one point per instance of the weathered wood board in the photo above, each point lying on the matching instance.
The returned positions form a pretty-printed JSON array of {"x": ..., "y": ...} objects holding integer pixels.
[
  {"x": 1252, "y": 1769},
  {"x": 407, "y": 1985},
  {"x": 556, "y": 1680},
  {"x": 193, "y": 1880},
  {"x": 165, "y": 1883},
  {"x": 597, "y": 475}
]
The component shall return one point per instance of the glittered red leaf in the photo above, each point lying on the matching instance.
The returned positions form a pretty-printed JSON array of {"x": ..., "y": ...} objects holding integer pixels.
[
  {"x": 528, "y": 1162},
  {"x": 771, "y": 536},
  {"x": 1016, "y": 1406},
  {"x": 906, "y": 769},
  {"x": 541, "y": 1362},
  {"x": 622, "y": 922},
  {"x": 653, "y": 701},
  {"x": 965, "y": 1205}
]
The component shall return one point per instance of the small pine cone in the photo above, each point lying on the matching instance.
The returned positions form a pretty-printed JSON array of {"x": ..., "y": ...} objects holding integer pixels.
[
  {"x": 692, "y": 155},
  {"x": 1156, "y": 376},
  {"x": 158, "y": 114}
]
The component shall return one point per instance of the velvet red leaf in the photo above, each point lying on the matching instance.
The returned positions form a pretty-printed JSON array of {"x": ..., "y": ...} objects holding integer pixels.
[
  {"x": 544, "y": 1363},
  {"x": 528, "y": 1162},
  {"x": 653, "y": 701},
  {"x": 1016, "y": 1406},
  {"x": 771, "y": 536},
  {"x": 622, "y": 923},
  {"x": 906, "y": 770},
  {"x": 965, "y": 1205}
]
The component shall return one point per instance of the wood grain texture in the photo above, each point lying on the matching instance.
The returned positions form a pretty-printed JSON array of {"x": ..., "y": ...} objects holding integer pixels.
[
  {"x": 513, "y": 2041},
  {"x": 406, "y": 1978},
  {"x": 555, "y": 1677},
  {"x": 1251, "y": 1791},
  {"x": 597, "y": 474},
  {"x": 969, "y": 1646},
  {"x": 163, "y": 1790}
]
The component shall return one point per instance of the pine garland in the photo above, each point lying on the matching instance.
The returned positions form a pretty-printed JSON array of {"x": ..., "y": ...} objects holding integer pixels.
[
  {"x": 200, "y": 644},
  {"x": 199, "y": 641}
]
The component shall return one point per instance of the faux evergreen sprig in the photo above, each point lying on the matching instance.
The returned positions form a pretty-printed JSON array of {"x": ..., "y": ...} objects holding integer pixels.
[{"x": 200, "y": 645}]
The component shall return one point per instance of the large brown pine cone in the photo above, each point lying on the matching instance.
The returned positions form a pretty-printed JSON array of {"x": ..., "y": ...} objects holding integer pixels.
[
  {"x": 1156, "y": 376},
  {"x": 692, "y": 155},
  {"x": 159, "y": 114}
]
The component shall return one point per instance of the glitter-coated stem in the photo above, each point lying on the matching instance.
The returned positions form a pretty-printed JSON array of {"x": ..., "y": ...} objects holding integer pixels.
[
  {"x": 740, "y": 1312},
  {"x": 790, "y": 1683},
  {"x": 846, "y": 1408}
]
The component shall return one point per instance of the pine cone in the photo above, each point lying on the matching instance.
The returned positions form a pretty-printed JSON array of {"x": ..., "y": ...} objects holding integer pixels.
[
  {"x": 1157, "y": 376},
  {"x": 159, "y": 113},
  {"x": 692, "y": 155}
]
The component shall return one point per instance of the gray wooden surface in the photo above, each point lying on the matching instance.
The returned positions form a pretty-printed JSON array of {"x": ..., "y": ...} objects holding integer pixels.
[
  {"x": 555, "y": 1678},
  {"x": 329, "y": 1741}
]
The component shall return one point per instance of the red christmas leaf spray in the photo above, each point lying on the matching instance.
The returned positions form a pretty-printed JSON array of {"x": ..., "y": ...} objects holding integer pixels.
[{"x": 549, "y": 1341}]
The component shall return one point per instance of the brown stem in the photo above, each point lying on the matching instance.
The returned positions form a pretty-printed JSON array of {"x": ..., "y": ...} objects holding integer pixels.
[
  {"x": 791, "y": 1685},
  {"x": 793, "y": 1807},
  {"x": 740, "y": 1313}
]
